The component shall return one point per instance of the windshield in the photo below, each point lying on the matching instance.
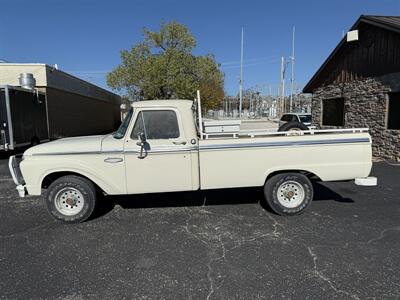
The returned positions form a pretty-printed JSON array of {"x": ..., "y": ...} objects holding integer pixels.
[
  {"x": 120, "y": 133},
  {"x": 305, "y": 118}
]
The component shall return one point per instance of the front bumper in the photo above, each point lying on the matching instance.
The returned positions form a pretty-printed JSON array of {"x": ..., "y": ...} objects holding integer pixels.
[{"x": 13, "y": 165}]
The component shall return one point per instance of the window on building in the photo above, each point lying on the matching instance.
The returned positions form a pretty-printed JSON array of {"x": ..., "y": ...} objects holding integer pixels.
[
  {"x": 394, "y": 111},
  {"x": 333, "y": 112},
  {"x": 156, "y": 124}
]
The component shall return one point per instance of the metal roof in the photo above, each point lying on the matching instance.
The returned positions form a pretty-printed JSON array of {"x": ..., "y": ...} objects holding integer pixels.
[
  {"x": 387, "y": 22},
  {"x": 49, "y": 76}
]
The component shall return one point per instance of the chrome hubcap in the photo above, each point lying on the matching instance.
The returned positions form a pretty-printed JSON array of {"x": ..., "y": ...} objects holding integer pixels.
[
  {"x": 69, "y": 201},
  {"x": 290, "y": 194}
]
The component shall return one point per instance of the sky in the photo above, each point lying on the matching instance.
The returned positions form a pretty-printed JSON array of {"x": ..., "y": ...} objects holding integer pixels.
[{"x": 85, "y": 37}]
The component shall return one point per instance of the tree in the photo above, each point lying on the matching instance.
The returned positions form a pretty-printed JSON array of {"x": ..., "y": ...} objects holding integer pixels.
[{"x": 162, "y": 66}]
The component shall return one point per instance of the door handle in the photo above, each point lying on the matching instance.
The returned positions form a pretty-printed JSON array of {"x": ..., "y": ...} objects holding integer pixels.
[
  {"x": 179, "y": 142},
  {"x": 113, "y": 160}
]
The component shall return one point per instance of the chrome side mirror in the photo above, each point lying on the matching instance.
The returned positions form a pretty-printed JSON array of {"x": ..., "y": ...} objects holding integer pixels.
[
  {"x": 141, "y": 138},
  {"x": 142, "y": 143}
]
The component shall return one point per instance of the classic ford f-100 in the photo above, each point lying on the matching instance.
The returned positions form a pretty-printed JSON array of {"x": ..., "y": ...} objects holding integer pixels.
[{"x": 162, "y": 146}]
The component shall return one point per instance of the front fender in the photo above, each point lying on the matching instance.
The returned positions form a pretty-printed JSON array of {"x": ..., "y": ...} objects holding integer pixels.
[{"x": 109, "y": 177}]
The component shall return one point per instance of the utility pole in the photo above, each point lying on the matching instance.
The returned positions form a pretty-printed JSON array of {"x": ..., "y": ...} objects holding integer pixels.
[
  {"x": 241, "y": 79},
  {"x": 292, "y": 77},
  {"x": 282, "y": 88}
]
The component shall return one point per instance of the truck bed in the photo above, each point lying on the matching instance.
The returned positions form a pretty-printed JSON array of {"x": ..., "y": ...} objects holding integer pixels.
[{"x": 248, "y": 158}]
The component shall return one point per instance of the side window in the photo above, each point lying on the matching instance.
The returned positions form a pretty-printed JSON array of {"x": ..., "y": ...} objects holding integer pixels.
[
  {"x": 333, "y": 112},
  {"x": 295, "y": 118},
  {"x": 156, "y": 124},
  {"x": 394, "y": 111},
  {"x": 138, "y": 128},
  {"x": 286, "y": 118}
]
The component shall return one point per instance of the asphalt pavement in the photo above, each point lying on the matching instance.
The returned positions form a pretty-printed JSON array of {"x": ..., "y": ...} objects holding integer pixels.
[{"x": 216, "y": 245}]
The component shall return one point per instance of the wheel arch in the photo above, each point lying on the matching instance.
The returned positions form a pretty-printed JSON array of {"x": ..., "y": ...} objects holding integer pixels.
[
  {"x": 310, "y": 175},
  {"x": 50, "y": 177}
]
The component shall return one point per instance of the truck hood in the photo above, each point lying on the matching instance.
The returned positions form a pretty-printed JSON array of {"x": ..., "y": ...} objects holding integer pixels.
[{"x": 82, "y": 144}]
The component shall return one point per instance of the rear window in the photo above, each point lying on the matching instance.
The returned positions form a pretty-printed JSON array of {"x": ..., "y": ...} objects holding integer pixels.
[
  {"x": 305, "y": 118},
  {"x": 286, "y": 118}
]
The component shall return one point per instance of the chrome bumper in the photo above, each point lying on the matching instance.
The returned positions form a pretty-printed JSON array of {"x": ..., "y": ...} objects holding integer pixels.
[
  {"x": 13, "y": 165},
  {"x": 366, "y": 181}
]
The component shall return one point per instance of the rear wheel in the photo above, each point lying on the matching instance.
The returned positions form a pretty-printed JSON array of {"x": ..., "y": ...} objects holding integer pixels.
[
  {"x": 288, "y": 193},
  {"x": 71, "y": 199}
]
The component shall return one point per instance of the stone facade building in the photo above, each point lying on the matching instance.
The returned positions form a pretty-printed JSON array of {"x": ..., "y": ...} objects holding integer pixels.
[{"x": 359, "y": 84}]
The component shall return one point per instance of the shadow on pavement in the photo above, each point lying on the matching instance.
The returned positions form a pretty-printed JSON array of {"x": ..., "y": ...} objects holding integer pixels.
[
  {"x": 200, "y": 198},
  {"x": 322, "y": 193}
]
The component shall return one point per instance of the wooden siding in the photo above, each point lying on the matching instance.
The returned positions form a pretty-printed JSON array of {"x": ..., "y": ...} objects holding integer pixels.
[{"x": 377, "y": 52}]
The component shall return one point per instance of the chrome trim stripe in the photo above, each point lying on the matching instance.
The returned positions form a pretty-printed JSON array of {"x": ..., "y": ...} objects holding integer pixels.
[
  {"x": 221, "y": 146},
  {"x": 284, "y": 144},
  {"x": 155, "y": 151},
  {"x": 165, "y": 150},
  {"x": 79, "y": 153}
]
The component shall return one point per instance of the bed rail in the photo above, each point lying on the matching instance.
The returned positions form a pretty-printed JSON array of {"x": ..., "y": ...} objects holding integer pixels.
[{"x": 273, "y": 132}]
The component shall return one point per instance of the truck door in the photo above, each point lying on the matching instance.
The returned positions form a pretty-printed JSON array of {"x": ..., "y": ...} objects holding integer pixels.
[{"x": 165, "y": 164}]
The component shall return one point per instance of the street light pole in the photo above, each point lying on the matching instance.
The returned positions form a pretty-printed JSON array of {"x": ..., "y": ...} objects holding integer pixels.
[
  {"x": 292, "y": 77},
  {"x": 282, "y": 88}
]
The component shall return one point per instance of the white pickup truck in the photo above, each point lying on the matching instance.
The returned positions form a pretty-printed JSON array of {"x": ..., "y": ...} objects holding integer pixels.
[{"x": 160, "y": 147}]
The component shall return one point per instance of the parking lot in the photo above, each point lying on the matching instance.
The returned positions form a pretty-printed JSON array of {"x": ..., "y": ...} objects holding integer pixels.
[{"x": 215, "y": 245}]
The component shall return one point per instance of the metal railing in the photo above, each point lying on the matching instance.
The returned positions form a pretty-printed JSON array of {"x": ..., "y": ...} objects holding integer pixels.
[{"x": 273, "y": 132}]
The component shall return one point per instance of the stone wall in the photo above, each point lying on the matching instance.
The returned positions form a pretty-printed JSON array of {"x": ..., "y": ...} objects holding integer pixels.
[{"x": 366, "y": 105}]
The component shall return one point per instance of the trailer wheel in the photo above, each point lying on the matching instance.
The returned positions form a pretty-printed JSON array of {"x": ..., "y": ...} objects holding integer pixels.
[
  {"x": 288, "y": 193},
  {"x": 71, "y": 199}
]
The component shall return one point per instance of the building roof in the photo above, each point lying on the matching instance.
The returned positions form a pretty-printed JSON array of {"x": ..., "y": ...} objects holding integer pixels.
[
  {"x": 388, "y": 22},
  {"x": 49, "y": 76},
  {"x": 391, "y": 23}
]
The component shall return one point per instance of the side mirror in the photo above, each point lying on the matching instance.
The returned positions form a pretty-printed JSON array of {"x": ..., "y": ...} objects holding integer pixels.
[
  {"x": 142, "y": 143},
  {"x": 142, "y": 139}
]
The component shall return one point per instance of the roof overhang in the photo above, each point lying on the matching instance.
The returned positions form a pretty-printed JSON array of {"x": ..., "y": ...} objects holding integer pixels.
[{"x": 372, "y": 20}]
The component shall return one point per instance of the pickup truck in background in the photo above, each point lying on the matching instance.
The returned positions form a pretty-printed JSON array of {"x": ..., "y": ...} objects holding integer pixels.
[
  {"x": 304, "y": 118},
  {"x": 162, "y": 146}
]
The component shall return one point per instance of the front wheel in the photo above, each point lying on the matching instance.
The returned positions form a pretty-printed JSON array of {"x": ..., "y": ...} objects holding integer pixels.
[
  {"x": 71, "y": 199},
  {"x": 288, "y": 193}
]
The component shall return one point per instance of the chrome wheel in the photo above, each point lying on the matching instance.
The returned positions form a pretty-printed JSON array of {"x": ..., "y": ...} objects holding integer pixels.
[
  {"x": 290, "y": 194},
  {"x": 69, "y": 201}
]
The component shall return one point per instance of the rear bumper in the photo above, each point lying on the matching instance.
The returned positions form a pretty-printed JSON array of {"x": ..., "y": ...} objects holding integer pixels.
[
  {"x": 366, "y": 181},
  {"x": 13, "y": 165}
]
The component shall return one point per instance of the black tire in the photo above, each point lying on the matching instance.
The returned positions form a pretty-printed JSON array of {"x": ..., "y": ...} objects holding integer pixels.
[
  {"x": 293, "y": 126},
  {"x": 289, "y": 183},
  {"x": 79, "y": 194}
]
